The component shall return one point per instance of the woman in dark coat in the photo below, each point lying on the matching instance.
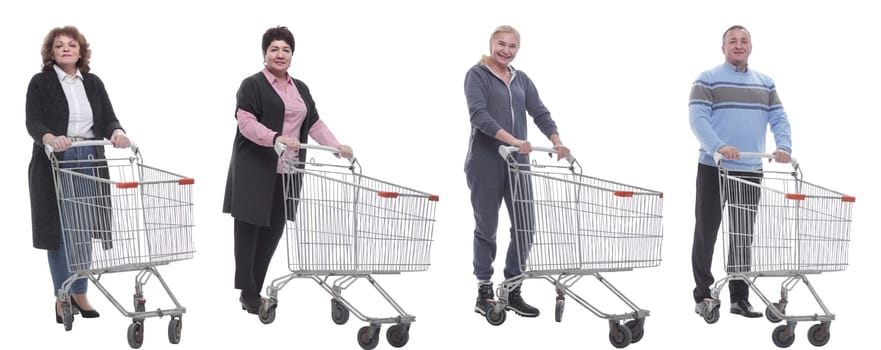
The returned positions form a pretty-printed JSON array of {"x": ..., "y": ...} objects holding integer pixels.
[
  {"x": 271, "y": 107},
  {"x": 65, "y": 103}
]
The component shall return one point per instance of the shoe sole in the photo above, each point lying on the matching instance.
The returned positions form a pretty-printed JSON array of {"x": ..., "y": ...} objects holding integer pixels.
[
  {"x": 757, "y": 315},
  {"x": 480, "y": 311}
]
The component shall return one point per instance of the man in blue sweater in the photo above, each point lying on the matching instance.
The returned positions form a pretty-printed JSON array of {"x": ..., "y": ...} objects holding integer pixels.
[{"x": 730, "y": 109}]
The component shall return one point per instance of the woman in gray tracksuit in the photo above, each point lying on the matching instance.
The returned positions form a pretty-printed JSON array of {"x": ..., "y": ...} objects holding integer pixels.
[{"x": 499, "y": 97}]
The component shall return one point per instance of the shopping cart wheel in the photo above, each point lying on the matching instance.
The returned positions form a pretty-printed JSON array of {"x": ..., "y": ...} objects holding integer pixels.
[
  {"x": 266, "y": 312},
  {"x": 818, "y": 334},
  {"x": 136, "y": 334},
  {"x": 338, "y": 312},
  {"x": 67, "y": 316},
  {"x": 712, "y": 316},
  {"x": 620, "y": 337},
  {"x": 558, "y": 310},
  {"x": 637, "y": 329},
  {"x": 368, "y": 337},
  {"x": 174, "y": 328},
  {"x": 770, "y": 314},
  {"x": 783, "y": 336},
  {"x": 494, "y": 317},
  {"x": 398, "y": 335}
]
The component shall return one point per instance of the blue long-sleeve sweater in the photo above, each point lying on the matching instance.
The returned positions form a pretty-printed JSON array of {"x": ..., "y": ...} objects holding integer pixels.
[
  {"x": 734, "y": 108},
  {"x": 494, "y": 105}
]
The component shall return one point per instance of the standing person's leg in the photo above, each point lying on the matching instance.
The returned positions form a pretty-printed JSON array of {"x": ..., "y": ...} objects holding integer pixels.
[
  {"x": 268, "y": 237},
  {"x": 742, "y": 217},
  {"x": 708, "y": 217},
  {"x": 245, "y": 245},
  {"x": 78, "y": 220},
  {"x": 521, "y": 217},
  {"x": 486, "y": 183}
]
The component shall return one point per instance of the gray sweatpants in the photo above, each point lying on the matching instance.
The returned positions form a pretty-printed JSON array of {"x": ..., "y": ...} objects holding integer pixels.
[{"x": 489, "y": 183}]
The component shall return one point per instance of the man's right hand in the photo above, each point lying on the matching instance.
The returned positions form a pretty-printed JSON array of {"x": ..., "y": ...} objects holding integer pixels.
[{"x": 729, "y": 152}]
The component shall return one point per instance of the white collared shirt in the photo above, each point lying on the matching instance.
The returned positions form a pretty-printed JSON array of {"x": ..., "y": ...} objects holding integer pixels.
[{"x": 81, "y": 121}]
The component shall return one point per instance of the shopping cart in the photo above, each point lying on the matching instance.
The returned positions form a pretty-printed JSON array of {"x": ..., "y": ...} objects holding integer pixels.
[
  {"x": 570, "y": 225},
  {"x": 119, "y": 215},
  {"x": 777, "y": 225},
  {"x": 343, "y": 226}
]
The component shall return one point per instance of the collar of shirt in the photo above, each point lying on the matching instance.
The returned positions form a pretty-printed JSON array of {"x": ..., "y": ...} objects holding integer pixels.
[
  {"x": 734, "y": 68},
  {"x": 63, "y": 77},
  {"x": 273, "y": 80}
]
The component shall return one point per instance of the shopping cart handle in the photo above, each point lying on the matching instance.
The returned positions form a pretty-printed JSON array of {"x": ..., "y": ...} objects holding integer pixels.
[
  {"x": 505, "y": 151},
  {"x": 718, "y": 157},
  {"x": 280, "y": 149},
  {"x": 49, "y": 149}
]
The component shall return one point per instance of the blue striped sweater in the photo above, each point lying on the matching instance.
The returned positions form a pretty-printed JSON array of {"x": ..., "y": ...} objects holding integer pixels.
[{"x": 727, "y": 107}]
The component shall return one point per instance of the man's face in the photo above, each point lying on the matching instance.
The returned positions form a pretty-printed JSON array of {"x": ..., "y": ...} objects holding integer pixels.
[{"x": 736, "y": 47}]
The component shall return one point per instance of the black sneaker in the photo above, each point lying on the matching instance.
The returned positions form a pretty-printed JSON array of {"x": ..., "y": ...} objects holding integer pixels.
[
  {"x": 485, "y": 299},
  {"x": 519, "y": 306}
]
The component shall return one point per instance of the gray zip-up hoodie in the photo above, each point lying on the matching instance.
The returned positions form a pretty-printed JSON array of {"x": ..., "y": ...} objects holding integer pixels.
[{"x": 494, "y": 106}]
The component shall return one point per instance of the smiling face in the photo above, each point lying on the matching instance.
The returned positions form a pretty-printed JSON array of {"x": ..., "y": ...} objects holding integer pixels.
[
  {"x": 737, "y": 46},
  {"x": 66, "y": 53},
  {"x": 503, "y": 48},
  {"x": 278, "y": 57}
]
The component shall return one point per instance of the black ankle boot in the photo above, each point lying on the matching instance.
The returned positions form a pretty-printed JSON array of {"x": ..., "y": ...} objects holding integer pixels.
[
  {"x": 485, "y": 298},
  {"x": 519, "y": 306}
]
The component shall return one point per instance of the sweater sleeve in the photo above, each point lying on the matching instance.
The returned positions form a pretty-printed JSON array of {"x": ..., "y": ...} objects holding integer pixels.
[
  {"x": 700, "y": 106},
  {"x": 779, "y": 122},
  {"x": 536, "y": 108},
  {"x": 475, "y": 95}
]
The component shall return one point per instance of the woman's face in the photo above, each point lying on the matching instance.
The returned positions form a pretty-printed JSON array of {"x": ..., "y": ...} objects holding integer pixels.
[
  {"x": 65, "y": 52},
  {"x": 278, "y": 57},
  {"x": 503, "y": 48}
]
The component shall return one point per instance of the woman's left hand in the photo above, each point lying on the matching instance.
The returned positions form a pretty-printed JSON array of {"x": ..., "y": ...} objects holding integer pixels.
[
  {"x": 345, "y": 151},
  {"x": 119, "y": 139}
]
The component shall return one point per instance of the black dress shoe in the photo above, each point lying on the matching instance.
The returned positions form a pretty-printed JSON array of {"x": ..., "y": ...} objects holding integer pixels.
[
  {"x": 743, "y": 307},
  {"x": 83, "y": 312},
  {"x": 250, "y": 306}
]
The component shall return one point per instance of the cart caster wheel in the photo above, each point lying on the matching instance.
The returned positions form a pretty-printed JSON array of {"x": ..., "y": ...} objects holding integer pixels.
[
  {"x": 398, "y": 335},
  {"x": 136, "y": 334},
  {"x": 783, "y": 336},
  {"x": 712, "y": 316},
  {"x": 266, "y": 313},
  {"x": 558, "y": 310},
  {"x": 494, "y": 317},
  {"x": 338, "y": 312},
  {"x": 818, "y": 334},
  {"x": 637, "y": 329},
  {"x": 174, "y": 329},
  {"x": 67, "y": 317},
  {"x": 368, "y": 337},
  {"x": 770, "y": 314},
  {"x": 620, "y": 338}
]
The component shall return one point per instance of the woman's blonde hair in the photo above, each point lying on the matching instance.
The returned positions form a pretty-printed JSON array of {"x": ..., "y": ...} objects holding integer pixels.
[{"x": 500, "y": 29}]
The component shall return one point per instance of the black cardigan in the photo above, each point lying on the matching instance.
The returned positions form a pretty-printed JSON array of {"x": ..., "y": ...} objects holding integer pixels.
[
  {"x": 252, "y": 168},
  {"x": 47, "y": 111}
]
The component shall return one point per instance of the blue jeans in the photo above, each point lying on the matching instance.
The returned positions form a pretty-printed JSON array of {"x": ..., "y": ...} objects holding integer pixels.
[{"x": 75, "y": 250}]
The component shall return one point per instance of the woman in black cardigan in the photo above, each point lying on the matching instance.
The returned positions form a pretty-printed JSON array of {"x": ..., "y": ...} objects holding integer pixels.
[
  {"x": 271, "y": 107},
  {"x": 65, "y": 103}
]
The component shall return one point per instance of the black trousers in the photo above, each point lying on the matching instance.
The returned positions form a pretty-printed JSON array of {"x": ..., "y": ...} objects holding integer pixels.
[
  {"x": 255, "y": 245},
  {"x": 708, "y": 218}
]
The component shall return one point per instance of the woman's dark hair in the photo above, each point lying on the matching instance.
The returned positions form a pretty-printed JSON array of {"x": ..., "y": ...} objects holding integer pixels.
[{"x": 278, "y": 33}]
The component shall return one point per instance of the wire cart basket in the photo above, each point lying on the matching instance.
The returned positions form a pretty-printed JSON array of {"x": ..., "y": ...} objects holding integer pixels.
[
  {"x": 569, "y": 225},
  {"x": 777, "y": 225},
  {"x": 120, "y": 215},
  {"x": 341, "y": 227}
]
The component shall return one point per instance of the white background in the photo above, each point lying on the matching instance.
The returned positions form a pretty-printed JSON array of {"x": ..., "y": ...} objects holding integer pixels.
[{"x": 388, "y": 80}]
